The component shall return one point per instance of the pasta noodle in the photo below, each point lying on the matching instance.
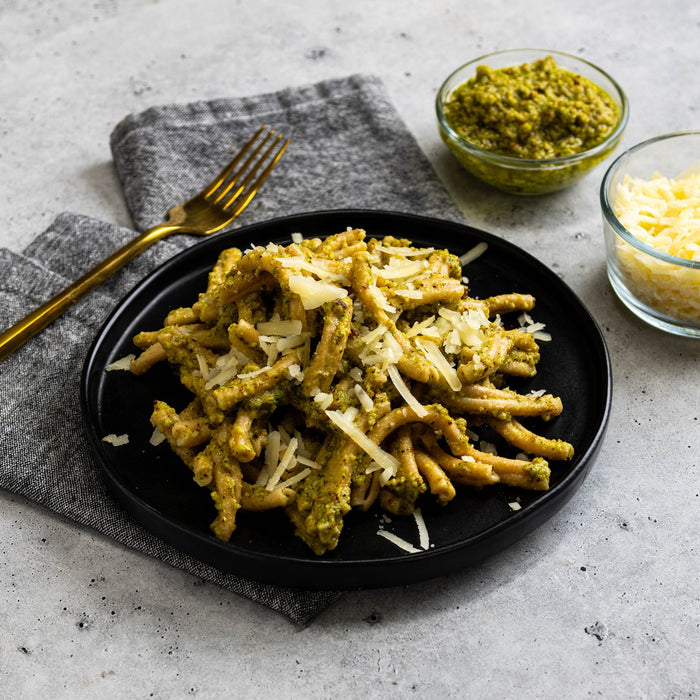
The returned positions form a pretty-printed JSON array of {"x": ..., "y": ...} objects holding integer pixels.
[{"x": 341, "y": 373}]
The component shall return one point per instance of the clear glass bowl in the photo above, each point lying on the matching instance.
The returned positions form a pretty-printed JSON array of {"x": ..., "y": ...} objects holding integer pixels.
[
  {"x": 662, "y": 289},
  {"x": 528, "y": 175}
]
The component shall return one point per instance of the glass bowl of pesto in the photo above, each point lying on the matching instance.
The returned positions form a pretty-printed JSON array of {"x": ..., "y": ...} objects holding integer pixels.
[
  {"x": 530, "y": 121},
  {"x": 650, "y": 202}
]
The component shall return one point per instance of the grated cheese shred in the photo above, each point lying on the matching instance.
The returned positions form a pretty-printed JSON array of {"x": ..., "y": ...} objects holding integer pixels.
[
  {"x": 288, "y": 460},
  {"x": 398, "y": 541},
  {"x": 363, "y": 397},
  {"x": 440, "y": 362},
  {"x": 116, "y": 440},
  {"x": 156, "y": 438},
  {"x": 471, "y": 255},
  {"x": 402, "y": 388},
  {"x": 123, "y": 363},
  {"x": 663, "y": 213},
  {"x": 313, "y": 293},
  {"x": 401, "y": 543},
  {"x": 387, "y": 462},
  {"x": 423, "y": 536}
]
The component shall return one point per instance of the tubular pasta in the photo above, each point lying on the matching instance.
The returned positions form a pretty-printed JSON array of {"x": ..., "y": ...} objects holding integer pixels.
[{"x": 344, "y": 373}]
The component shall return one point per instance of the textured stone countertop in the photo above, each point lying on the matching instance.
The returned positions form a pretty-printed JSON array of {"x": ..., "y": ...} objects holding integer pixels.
[{"x": 602, "y": 600}]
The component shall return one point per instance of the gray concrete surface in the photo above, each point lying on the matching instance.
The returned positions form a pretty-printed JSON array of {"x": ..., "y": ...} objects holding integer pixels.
[{"x": 601, "y": 601}]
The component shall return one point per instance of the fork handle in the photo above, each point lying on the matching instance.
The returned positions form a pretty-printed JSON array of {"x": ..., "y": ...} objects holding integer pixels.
[{"x": 17, "y": 335}]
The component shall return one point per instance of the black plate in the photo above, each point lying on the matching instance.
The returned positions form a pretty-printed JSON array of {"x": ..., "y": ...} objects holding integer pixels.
[{"x": 157, "y": 489}]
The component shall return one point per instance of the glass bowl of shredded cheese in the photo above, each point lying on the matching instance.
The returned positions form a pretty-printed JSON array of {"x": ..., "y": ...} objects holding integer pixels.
[{"x": 650, "y": 199}]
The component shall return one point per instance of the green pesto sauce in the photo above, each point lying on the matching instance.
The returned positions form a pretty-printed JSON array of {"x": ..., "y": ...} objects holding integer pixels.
[
  {"x": 538, "y": 472},
  {"x": 533, "y": 110}
]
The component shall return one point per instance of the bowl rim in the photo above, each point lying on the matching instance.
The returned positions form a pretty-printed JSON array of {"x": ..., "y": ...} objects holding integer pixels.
[
  {"x": 610, "y": 217},
  {"x": 524, "y": 163}
]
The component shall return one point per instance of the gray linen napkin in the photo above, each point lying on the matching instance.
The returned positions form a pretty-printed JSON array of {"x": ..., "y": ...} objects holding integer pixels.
[{"x": 349, "y": 149}]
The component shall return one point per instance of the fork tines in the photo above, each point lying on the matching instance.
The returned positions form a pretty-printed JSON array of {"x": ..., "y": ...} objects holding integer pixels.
[{"x": 236, "y": 177}]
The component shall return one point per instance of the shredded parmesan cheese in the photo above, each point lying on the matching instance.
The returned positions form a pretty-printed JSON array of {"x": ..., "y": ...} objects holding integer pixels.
[
  {"x": 272, "y": 455},
  {"x": 317, "y": 267},
  {"x": 226, "y": 368},
  {"x": 295, "y": 372},
  {"x": 387, "y": 462},
  {"x": 203, "y": 367},
  {"x": 374, "y": 335},
  {"x": 116, "y": 440},
  {"x": 156, "y": 438},
  {"x": 314, "y": 293},
  {"x": 305, "y": 461},
  {"x": 381, "y": 299},
  {"x": 356, "y": 374},
  {"x": 467, "y": 325},
  {"x": 250, "y": 375},
  {"x": 364, "y": 398},
  {"x": 351, "y": 412},
  {"x": 439, "y": 361},
  {"x": 405, "y": 392},
  {"x": 294, "y": 479},
  {"x": 381, "y": 347},
  {"x": 121, "y": 364},
  {"x": 424, "y": 327},
  {"x": 487, "y": 447},
  {"x": 401, "y": 270},
  {"x": 536, "y": 330},
  {"x": 323, "y": 400},
  {"x": 423, "y": 536},
  {"x": 398, "y": 541},
  {"x": 405, "y": 251},
  {"x": 665, "y": 214},
  {"x": 474, "y": 253},
  {"x": 288, "y": 460}
]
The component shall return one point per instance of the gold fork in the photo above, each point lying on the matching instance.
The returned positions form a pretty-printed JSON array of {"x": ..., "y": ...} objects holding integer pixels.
[{"x": 207, "y": 212}]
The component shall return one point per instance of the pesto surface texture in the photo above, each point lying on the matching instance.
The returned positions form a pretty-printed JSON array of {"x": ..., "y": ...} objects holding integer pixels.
[{"x": 533, "y": 110}]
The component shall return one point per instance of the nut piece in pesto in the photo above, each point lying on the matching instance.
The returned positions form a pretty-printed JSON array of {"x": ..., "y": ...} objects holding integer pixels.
[{"x": 533, "y": 110}]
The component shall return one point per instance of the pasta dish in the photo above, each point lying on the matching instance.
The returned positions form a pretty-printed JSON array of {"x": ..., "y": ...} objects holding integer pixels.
[{"x": 347, "y": 372}]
